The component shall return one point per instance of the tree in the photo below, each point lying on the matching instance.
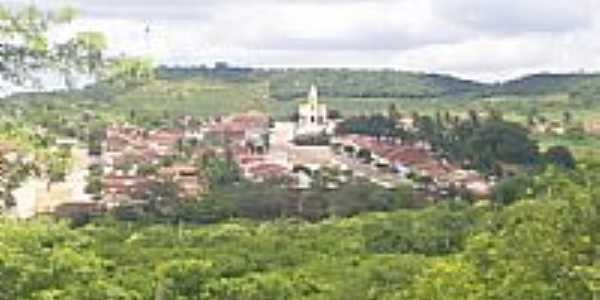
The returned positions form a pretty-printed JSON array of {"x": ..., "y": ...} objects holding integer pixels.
[
  {"x": 183, "y": 278},
  {"x": 495, "y": 114},
  {"x": 132, "y": 71},
  {"x": 94, "y": 186},
  {"x": 162, "y": 197},
  {"x": 58, "y": 165},
  {"x": 449, "y": 280},
  {"x": 511, "y": 189},
  {"x": 447, "y": 117},
  {"x": 376, "y": 125},
  {"x": 474, "y": 117},
  {"x": 393, "y": 112},
  {"x": 26, "y": 48},
  {"x": 560, "y": 156},
  {"x": 567, "y": 118},
  {"x": 427, "y": 128},
  {"x": 500, "y": 141},
  {"x": 220, "y": 171}
]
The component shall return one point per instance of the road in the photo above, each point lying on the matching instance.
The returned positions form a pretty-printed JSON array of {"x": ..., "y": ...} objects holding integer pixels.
[
  {"x": 281, "y": 145},
  {"x": 26, "y": 197},
  {"x": 33, "y": 196},
  {"x": 368, "y": 171},
  {"x": 70, "y": 190}
]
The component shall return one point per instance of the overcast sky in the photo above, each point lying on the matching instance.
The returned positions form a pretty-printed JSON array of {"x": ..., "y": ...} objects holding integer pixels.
[{"x": 478, "y": 39}]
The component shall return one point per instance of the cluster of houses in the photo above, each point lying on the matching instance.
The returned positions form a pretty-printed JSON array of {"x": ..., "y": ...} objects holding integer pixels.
[
  {"x": 550, "y": 127},
  {"x": 415, "y": 161},
  {"x": 133, "y": 158},
  {"x": 247, "y": 137},
  {"x": 129, "y": 152}
]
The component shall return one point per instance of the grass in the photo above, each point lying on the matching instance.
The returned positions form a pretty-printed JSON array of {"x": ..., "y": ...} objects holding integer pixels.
[
  {"x": 196, "y": 97},
  {"x": 582, "y": 147},
  {"x": 203, "y": 98}
]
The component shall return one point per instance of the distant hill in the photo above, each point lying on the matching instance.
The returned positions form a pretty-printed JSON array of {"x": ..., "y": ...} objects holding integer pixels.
[
  {"x": 367, "y": 84},
  {"x": 221, "y": 90},
  {"x": 288, "y": 84},
  {"x": 543, "y": 84}
]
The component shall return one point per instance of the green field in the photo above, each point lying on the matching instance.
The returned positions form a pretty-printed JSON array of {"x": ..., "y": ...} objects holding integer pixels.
[{"x": 583, "y": 147}]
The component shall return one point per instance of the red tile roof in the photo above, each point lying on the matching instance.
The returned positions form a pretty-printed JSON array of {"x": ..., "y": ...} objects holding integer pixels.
[{"x": 268, "y": 170}]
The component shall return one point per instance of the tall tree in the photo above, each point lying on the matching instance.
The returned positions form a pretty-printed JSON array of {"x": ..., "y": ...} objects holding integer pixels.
[
  {"x": 27, "y": 48},
  {"x": 567, "y": 118}
]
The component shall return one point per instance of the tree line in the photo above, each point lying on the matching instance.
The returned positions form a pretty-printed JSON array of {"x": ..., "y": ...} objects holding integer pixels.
[{"x": 540, "y": 247}]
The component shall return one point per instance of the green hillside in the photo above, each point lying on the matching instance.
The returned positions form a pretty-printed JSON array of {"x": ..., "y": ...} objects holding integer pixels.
[
  {"x": 367, "y": 84},
  {"x": 210, "y": 92},
  {"x": 541, "y": 84},
  {"x": 287, "y": 84}
]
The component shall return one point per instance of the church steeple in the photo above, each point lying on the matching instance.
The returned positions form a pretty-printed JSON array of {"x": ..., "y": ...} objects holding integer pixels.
[
  {"x": 312, "y": 116},
  {"x": 313, "y": 95}
]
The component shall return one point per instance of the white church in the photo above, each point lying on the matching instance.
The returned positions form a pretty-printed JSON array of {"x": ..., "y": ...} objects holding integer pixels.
[{"x": 312, "y": 115}]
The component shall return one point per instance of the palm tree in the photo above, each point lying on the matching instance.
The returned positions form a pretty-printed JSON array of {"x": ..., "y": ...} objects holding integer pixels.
[
  {"x": 474, "y": 117},
  {"x": 567, "y": 118}
]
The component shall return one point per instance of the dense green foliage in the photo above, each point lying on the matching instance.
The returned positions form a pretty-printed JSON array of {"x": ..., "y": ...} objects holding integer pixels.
[
  {"x": 157, "y": 100},
  {"x": 501, "y": 142},
  {"x": 377, "y": 125},
  {"x": 220, "y": 171},
  {"x": 543, "y": 84},
  {"x": 34, "y": 154},
  {"x": 488, "y": 144},
  {"x": 271, "y": 201},
  {"x": 536, "y": 240},
  {"x": 366, "y": 84},
  {"x": 560, "y": 156},
  {"x": 27, "y": 48},
  {"x": 345, "y": 83},
  {"x": 545, "y": 247}
]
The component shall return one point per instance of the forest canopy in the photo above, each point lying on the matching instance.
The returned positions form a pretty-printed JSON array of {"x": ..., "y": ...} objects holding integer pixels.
[{"x": 543, "y": 246}]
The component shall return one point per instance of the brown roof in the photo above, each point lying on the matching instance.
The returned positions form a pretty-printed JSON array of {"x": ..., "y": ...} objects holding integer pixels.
[
  {"x": 268, "y": 170},
  {"x": 238, "y": 124}
]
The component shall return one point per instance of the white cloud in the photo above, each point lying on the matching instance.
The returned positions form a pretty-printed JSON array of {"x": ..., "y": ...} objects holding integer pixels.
[
  {"x": 513, "y": 17},
  {"x": 488, "y": 40}
]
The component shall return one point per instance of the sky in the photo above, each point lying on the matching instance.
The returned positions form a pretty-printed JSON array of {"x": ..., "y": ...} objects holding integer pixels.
[{"x": 485, "y": 40}]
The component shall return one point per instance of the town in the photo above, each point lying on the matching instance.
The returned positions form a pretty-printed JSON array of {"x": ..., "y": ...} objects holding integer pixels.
[
  {"x": 299, "y": 150},
  {"x": 131, "y": 159}
]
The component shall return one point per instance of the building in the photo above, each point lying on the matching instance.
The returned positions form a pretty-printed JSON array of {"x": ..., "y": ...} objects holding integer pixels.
[
  {"x": 238, "y": 127},
  {"x": 312, "y": 115},
  {"x": 190, "y": 181}
]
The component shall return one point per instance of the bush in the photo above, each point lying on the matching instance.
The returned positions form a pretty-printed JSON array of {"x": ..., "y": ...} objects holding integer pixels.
[
  {"x": 511, "y": 189},
  {"x": 560, "y": 156}
]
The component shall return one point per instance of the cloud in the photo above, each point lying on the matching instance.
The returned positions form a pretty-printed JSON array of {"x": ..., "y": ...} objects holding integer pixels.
[
  {"x": 142, "y": 10},
  {"x": 481, "y": 39},
  {"x": 511, "y": 17},
  {"x": 379, "y": 26}
]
